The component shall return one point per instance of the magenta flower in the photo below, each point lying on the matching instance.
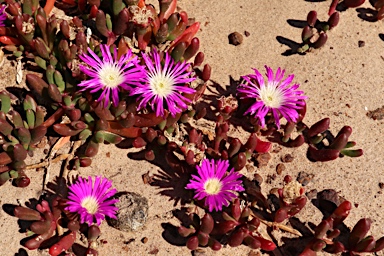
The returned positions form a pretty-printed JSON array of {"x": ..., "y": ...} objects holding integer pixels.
[
  {"x": 214, "y": 183},
  {"x": 164, "y": 85},
  {"x": 92, "y": 200},
  {"x": 277, "y": 97},
  {"x": 109, "y": 74},
  {"x": 3, "y": 15}
]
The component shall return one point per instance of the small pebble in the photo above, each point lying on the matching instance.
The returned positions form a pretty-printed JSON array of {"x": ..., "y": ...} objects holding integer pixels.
[
  {"x": 304, "y": 178},
  {"x": 235, "y": 38},
  {"x": 246, "y": 33},
  {"x": 263, "y": 159},
  {"x": 280, "y": 168},
  {"x": 144, "y": 240},
  {"x": 287, "y": 158},
  {"x": 361, "y": 43},
  {"x": 381, "y": 185}
]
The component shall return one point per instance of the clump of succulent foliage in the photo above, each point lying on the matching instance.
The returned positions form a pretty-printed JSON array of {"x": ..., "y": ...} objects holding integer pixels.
[{"x": 112, "y": 70}]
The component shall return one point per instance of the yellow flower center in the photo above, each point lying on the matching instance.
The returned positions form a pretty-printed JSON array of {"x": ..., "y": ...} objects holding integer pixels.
[
  {"x": 161, "y": 84},
  {"x": 111, "y": 75},
  {"x": 212, "y": 186},
  {"x": 90, "y": 204},
  {"x": 271, "y": 96}
]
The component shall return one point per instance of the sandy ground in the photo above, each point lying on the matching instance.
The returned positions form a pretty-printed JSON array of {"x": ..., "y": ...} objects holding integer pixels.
[{"x": 343, "y": 81}]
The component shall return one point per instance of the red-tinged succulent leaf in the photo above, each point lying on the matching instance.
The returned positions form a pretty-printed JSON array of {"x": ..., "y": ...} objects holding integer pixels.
[
  {"x": 236, "y": 238},
  {"x": 318, "y": 245},
  {"x": 40, "y": 227},
  {"x": 131, "y": 132},
  {"x": 352, "y": 152},
  {"x": 147, "y": 120},
  {"x": 322, "y": 229},
  {"x": 321, "y": 41},
  {"x": 236, "y": 209},
  {"x": 206, "y": 74},
  {"x": 341, "y": 212},
  {"x": 9, "y": 40},
  {"x": 353, "y": 3},
  {"x": 334, "y": 20},
  {"x": 193, "y": 243},
  {"x": 65, "y": 130},
  {"x": 334, "y": 233},
  {"x": 379, "y": 245},
  {"x": 203, "y": 238},
  {"x": 239, "y": 161},
  {"x": 281, "y": 215},
  {"x": 265, "y": 244},
  {"x": 224, "y": 227},
  {"x": 139, "y": 142},
  {"x": 19, "y": 152},
  {"x": 380, "y": 13},
  {"x": 185, "y": 232},
  {"x": 322, "y": 155},
  {"x": 85, "y": 161},
  {"x": 25, "y": 213},
  {"x": 37, "y": 240},
  {"x": 263, "y": 146},
  {"x": 150, "y": 155},
  {"x": 252, "y": 242},
  {"x": 365, "y": 245},
  {"x": 333, "y": 6},
  {"x": 359, "y": 231},
  {"x": 308, "y": 252},
  {"x": 167, "y": 7},
  {"x": 207, "y": 224},
  {"x": 340, "y": 142},
  {"x": 319, "y": 127},
  {"x": 64, "y": 244},
  {"x": 334, "y": 248},
  {"x": 253, "y": 224},
  {"x": 93, "y": 233},
  {"x": 214, "y": 244},
  {"x": 312, "y": 18},
  {"x": 73, "y": 225},
  {"x": 5, "y": 158},
  {"x": 234, "y": 147},
  {"x": 5, "y": 128},
  {"x": 22, "y": 180}
]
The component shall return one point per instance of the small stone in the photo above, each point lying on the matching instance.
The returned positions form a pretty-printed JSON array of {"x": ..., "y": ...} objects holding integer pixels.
[
  {"x": 246, "y": 33},
  {"x": 287, "y": 158},
  {"x": 154, "y": 251},
  {"x": 144, "y": 240},
  {"x": 257, "y": 179},
  {"x": 311, "y": 194},
  {"x": 361, "y": 43},
  {"x": 263, "y": 159},
  {"x": 381, "y": 185},
  {"x": 132, "y": 213},
  {"x": 304, "y": 178},
  {"x": 235, "y": 38},
  {"x": 108, "y": 154},
  {"x": 280, "y": 168}
]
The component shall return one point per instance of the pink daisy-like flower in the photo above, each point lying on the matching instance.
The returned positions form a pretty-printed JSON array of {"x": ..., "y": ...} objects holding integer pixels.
[
  {"x": 214, "y": 183},
  {"x": 3, "y": 15},
  {"x": 92, "y": 200},
  {"x": 164, "y": 84},
  {"x": 276, "y": 97},
  {"x": 109, "y": 74}
]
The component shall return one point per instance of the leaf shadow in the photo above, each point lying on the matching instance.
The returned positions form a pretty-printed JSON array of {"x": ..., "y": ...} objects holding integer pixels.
[{"x": 172, "y": 177}]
